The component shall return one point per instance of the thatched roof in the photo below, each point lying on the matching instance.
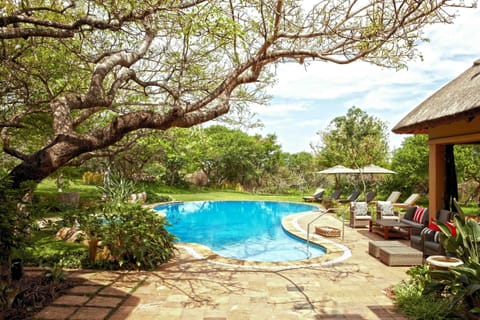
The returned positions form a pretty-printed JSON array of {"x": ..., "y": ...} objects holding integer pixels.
[{"x": 457, "y": 100}]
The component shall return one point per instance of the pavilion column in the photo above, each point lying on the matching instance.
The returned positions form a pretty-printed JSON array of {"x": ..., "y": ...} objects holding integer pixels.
[{"x": 436, "y": 178}]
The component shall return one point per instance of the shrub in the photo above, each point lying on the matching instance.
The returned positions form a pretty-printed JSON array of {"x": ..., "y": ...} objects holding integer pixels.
[
  {"x": 44, "y": 249},
  {"x": 56, "y": 274},
  {"x": 461, "y": 283},
  {"x": 411, "y": 299},
  {"x": 418, "y": 306},
  {"x": 154, "y": 198},
  {"x": 118, "y": 190},
  {"x": 135, "y": 236},
  {"x": 92, "y": 178}
]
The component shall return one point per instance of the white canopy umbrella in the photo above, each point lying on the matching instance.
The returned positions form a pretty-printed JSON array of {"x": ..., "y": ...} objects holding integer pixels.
[
  {"x": 339, "y": 169},
  {"x": 373, "y": 169}
]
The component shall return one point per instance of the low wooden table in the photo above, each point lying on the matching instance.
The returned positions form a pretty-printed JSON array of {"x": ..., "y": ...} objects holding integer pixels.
[{"x": 390, "y": 229}]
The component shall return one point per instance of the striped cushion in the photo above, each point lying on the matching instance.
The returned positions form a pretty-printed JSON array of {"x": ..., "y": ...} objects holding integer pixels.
[
  {"x": 431, "y": 235},
  {"x": 417, "y": 217}
]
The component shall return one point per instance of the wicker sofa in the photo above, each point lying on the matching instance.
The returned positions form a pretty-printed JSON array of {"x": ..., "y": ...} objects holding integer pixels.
[
  {"x": 424, "y": 236},
  {"x": 416, "y": 227},
  {"x": 431, "y": 237}
]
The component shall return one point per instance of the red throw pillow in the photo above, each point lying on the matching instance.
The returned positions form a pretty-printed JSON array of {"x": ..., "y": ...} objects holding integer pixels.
[
  {"x": 433, "y": 226},
  {"x": 453, "y": 229},
  {"x": 417, "y": 217}
]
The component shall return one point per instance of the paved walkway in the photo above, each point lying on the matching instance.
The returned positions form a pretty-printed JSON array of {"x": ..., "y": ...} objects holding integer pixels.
[{"x": 194, "y": 288}]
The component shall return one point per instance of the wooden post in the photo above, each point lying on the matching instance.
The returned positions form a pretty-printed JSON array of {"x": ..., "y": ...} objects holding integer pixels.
[{"x": 436, "y": 178}]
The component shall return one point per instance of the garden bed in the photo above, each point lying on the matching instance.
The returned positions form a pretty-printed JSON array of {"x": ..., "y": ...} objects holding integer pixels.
[{"x": 35, "y": 292}]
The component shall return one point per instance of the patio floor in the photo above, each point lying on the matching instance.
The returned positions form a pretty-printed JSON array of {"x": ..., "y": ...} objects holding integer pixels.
[{"x": 195, "y": 288}]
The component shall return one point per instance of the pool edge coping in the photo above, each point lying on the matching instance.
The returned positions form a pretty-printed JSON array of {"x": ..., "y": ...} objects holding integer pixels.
[{"x": 335, "y": 252}]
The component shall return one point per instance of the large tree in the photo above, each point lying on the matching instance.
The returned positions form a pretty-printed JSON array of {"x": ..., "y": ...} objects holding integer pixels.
[
  {"x": 467, "y": 162},
  {"x": 232, "y": 156},
  {"x": 410, "y": 162},
  {"x": 77, "y": 76},
  {"x": 353, "y": 140}
]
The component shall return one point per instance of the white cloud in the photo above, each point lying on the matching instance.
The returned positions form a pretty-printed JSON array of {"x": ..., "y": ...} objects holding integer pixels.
[
  {"x": 307, "y": 99},
  {"x": 280, "y": 110}
]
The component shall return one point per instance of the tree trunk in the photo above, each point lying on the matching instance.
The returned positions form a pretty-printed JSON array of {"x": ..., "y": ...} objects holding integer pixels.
[
  {"x": 92, "y": 249},
  {"x": 5, "y": 265}
]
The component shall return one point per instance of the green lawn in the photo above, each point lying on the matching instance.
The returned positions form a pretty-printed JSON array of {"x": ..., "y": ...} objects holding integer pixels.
[
  {"x": 231, "y": 195},
  {"x": 48, "y": 189}
]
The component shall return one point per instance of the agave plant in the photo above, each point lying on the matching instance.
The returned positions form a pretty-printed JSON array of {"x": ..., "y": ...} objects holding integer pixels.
[
  {"x": 461, "y": 283},
  {"x": 117, "y": 190},
  {"x": 463, "y": 245}
]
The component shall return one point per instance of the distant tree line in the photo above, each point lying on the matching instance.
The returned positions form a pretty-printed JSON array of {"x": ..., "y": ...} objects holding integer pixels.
[{"x": 225, "y": 157}]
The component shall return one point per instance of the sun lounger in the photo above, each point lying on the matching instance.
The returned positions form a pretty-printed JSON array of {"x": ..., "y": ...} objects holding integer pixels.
[
  {"x": 316, "y": 197},
  {"x": 409, "y": 202},
  {"x": 352, "y": 197}
]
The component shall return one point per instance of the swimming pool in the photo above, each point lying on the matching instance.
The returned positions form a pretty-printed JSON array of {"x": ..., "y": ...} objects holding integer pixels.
[{"x": 245, "y": 230}]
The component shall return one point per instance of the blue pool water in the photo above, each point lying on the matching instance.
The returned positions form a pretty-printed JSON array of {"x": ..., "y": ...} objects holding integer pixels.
[{"x": 246, "y": 230}]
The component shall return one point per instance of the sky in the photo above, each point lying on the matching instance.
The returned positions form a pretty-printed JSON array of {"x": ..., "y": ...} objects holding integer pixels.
[{"x": 306, "y": 100}]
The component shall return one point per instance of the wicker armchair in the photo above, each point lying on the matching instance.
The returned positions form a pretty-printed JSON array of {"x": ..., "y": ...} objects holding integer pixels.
[
  {"x": 384, "y": 211},
  {"x": 359, "y": 215}
]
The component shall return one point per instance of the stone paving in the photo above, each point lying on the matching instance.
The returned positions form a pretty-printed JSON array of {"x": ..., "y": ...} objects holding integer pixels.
[{"x": 193, "y": 287}]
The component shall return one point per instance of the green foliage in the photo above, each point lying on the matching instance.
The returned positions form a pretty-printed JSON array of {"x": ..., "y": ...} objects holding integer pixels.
[
  {"x": 465, "y": 244},
  {"x": 347, "y": 137},
  {"x": 92, "y": 178},
  {"x": 227, "y": 156},
  {"x": 411, "y": 300},
  {"x": 155, "y": 198},
  {"x": 410, "y": 163},
  {"x": 467, "y": 162},
  {"x": 118, "y": 189},
  {"x": 43, "y": 249},
  {"x": 235, "y": 157},
  {"x": 294, "y": 174},
  {"x": 157, "y": 192},
  {"x": 420, "y": 307},
  {"x": 135, "y": 236},
  {"x": 298, "y": 162},
  {"x": 178, "y": 152},
  {"x": 419, "y": 276},
  {"x": 461, "y": 283},
  {"x": 13, "y": 224},
  {"x": 56, "y": 274}
]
